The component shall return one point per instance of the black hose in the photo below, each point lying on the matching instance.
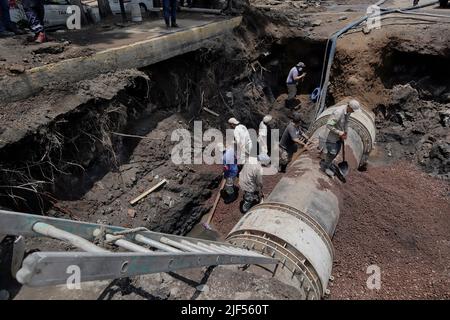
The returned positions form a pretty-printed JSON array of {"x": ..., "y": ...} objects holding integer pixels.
[{"x": 320, "y": 105}]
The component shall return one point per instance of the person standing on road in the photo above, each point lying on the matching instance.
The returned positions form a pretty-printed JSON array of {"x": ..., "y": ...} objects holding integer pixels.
[
  {"x": 337, "y": 125},
  {"x": 294, "y": 76},
  {"x": 243, "y": 141},
  {"x": 7, "y": 27},
  {"x": 262, "y": 134},
  {"x": 170, "y": 13},
  {"x": 293, "y": 135},
  {"x": 35, "y": 12}
]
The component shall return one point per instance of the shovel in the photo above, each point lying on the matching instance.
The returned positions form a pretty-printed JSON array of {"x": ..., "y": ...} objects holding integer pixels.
[
  {"x": 213, "y": 210},
  {"x": 343, "y": 166}
]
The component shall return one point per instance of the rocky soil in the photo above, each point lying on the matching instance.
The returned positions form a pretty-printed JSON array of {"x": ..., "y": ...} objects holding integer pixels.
[
  {"x": 395, "y": 217},
  {"x": 66, "y": 144}
]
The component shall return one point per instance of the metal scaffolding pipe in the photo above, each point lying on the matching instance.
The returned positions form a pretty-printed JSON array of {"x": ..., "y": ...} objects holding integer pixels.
[{"x": 297, "y": 221}]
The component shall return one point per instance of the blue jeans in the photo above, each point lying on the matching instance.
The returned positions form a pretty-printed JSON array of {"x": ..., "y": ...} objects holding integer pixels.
[
  {"x": 5, "y": 21},
  {"x": 170, "y": 11}
]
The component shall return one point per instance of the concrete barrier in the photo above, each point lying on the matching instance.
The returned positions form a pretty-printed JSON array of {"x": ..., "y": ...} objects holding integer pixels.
[{"x": 136, "y": 55}]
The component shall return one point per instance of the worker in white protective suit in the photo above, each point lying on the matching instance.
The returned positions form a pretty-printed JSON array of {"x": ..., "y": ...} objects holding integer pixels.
[
  {"x": 262, "y": 135},
  {"x": 243, "y": 141}
]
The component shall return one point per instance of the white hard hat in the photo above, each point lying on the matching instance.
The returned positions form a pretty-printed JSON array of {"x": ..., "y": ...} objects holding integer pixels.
[
  {"x": 267, "y": 118},
  {"x": 264, "y": 159},
  {"x": 233, "y": 121},
  {"x": 354, "y": 105}
]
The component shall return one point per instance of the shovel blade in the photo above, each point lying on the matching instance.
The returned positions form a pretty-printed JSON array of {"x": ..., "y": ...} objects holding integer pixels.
[{"x": 343, "y": 168}]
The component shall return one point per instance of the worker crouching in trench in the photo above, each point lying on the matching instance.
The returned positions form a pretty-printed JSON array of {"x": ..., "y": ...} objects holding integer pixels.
[
  {"x": 251, "y": 181},
  {"x": 293, "y": 135}
]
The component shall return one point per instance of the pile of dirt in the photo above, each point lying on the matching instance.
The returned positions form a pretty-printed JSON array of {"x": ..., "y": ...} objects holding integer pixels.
[
  {"x": 411, "y": 127},
  {"x": 397, "y": 218}
]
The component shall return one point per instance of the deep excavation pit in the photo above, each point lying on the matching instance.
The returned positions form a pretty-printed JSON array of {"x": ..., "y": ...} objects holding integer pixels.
[
  {"x": 78, "y": 167},
  {"x": 86, "y": 164}
]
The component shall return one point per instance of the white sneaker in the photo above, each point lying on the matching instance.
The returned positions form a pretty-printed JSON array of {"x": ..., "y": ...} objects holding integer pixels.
[{"x": 329, "y": 172}]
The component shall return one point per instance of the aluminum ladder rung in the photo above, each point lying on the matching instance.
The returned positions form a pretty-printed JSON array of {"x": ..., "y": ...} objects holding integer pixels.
[
  {"x": 155, "y": 244},
  {"x": 50, "y": 231},
  {"x": 178, "y": 245},
  {"x": 203, "y": 245},
  {"x": 128, "y": 244},
  {"x": 196, "y": 246},
  {"x": 174, "y": 252},
  {"x": 222, "y": 249},
  {"x": 234, "y": 250},
  {"x": 226, "y": 249}
]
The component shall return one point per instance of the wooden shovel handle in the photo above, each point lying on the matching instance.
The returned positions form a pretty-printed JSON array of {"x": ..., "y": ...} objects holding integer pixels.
[{"x": 213, "y": 209}]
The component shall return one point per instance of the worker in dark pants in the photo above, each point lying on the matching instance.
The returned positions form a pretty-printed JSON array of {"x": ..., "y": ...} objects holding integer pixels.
[
  {"x": 295, "y": 75},
  {"x": 7, "y": 27},
  {"x": 292, "y": 135},
  {"x": 170, "y": 13},
  {"x": 35, "y": 12}
]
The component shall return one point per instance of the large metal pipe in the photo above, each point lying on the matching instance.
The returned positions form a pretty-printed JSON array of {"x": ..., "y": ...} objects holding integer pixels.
[{"x": 297, "y": 221}]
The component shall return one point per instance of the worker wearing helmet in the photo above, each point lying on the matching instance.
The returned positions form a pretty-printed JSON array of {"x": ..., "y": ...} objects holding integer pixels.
[
  {"x": 251, "y": 181},
  {"x": 295, "y": 75},
  {"x": 337, "y": 125},
  {"x": 243, "y": 141},
  {"x": 262, "y": 134}
]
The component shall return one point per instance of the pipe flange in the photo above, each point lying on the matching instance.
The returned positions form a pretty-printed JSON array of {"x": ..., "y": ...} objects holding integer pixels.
[
  {"x": 290, "y": 258},
  {"x": 301, "y": 216},
  {"x": 355, "y": 124}
]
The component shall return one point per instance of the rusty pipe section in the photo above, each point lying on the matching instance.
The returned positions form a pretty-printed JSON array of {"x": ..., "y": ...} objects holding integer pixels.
[{"x": 297, "y": 221}]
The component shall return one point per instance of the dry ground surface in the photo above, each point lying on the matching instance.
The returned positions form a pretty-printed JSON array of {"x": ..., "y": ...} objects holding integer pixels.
[
  {"x": 394, "y": 215},
  {"x": 20, "y": 53},
  {"x": 397, "y": 218}
]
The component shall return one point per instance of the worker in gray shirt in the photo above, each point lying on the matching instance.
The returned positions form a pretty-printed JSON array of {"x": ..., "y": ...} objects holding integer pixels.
[
  {"x": 295, "y": 75},
  {"x": 337, "y": 125},
  {"x": 293, "y": 135},
  {"x": 251, "y": 181}
]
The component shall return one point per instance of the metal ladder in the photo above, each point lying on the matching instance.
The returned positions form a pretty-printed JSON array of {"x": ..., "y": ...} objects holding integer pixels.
[{"x": 148, "y": 252}]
